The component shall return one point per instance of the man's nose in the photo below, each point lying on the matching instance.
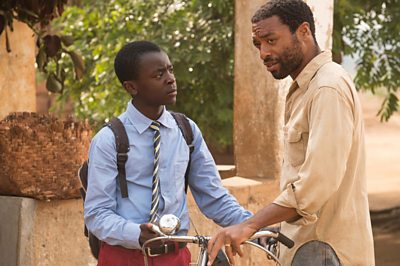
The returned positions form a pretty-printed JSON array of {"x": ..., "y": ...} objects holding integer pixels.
[{"x": 265, "y": 52}]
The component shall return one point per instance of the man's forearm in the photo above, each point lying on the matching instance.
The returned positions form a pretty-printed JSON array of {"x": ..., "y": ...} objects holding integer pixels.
[{"x": 272, "y": 214}]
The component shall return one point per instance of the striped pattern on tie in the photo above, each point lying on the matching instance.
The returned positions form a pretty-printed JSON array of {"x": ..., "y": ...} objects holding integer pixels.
[{"x": 155, "y": 198}]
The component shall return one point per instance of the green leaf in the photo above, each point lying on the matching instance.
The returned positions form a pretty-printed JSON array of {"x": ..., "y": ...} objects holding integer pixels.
[
  {"x": 53, "y": 84},
  {"x": 52, "y": 44},
  {"x": 67, "y": 40},
  {"x": 79, "y": 65},
  {"x": 41, "y": 59}
]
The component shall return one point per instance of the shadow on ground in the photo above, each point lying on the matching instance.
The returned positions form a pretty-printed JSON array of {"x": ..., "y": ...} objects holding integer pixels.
[{"x": 386, "y": 230}]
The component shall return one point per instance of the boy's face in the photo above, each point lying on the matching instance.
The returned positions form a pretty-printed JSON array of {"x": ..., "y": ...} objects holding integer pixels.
[{"x": 155, "y": 84}]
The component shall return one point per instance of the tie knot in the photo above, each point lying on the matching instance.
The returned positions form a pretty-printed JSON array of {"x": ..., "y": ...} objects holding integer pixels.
[{"x": 155, "y": 126}]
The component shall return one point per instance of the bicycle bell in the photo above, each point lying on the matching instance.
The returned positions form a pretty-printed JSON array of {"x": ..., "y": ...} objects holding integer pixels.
[{"x": 169, "y": 224}]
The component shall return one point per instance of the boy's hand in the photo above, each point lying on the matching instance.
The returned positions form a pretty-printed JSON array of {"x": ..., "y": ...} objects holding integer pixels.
[{"x": 146, "y": 233}]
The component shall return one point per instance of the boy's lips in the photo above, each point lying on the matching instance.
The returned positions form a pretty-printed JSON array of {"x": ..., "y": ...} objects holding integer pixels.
[{"x": 172, "y": 92}]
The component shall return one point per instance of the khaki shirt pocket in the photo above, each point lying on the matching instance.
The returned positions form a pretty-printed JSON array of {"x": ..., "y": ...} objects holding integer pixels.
[{"x": 295, "y": 146}]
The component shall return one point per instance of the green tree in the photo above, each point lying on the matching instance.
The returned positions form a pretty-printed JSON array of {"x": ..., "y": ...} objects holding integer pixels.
[
  {"x": 368, "y": 29},
  {"x": 197, "y": 35},
  {"x": 77, "y": 52}
]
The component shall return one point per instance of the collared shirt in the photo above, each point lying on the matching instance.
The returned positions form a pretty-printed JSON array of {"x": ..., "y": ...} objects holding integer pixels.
[
  {"x": 116, "y": 220},
  {"x": 323, "y": 174}
]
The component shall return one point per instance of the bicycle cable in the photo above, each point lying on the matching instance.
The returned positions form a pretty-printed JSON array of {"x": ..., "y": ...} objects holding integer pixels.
[{"x": 194, "y": 227}]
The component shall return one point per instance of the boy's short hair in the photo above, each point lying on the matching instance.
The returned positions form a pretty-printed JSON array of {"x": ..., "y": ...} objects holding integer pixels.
[
  {"x": 126, "y": 63},
  {"x": 290, "y": 12}
]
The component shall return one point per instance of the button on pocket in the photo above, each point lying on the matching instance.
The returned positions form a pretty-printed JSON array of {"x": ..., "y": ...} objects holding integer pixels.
[{"x": 295, "y": 142}]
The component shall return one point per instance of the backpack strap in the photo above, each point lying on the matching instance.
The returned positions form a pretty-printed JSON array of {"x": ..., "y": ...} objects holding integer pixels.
[
  {"x": 122, "y": 146},
  {"x": 186, "y": 129}
]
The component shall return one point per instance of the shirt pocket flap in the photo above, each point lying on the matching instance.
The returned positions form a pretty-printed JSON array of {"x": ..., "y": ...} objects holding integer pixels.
[{"x": 293, "y": 135}]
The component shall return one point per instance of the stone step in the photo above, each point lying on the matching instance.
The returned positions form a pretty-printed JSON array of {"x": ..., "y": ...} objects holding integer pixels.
[{"x": 226, "y": 171}]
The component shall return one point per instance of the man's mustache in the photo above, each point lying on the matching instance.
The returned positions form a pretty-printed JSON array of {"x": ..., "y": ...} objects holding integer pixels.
[{"x": 271, "y": 60}]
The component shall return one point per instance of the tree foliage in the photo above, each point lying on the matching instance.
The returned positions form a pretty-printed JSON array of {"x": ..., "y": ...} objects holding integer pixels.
[
  {"x": 368, "y": 29},
  {"x": 38, "y": 14},
  {"x": 197, "y": 35},
  {"x": 76, "y": 53}
]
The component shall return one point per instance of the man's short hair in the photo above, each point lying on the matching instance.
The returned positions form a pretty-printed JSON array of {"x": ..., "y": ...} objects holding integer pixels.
[
  {"x": 290, "y": 12},
  {"x": 127, "y": 61}
]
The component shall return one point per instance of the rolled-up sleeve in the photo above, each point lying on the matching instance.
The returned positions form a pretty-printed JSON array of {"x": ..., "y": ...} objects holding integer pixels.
[{"x": 329, "y": 142}]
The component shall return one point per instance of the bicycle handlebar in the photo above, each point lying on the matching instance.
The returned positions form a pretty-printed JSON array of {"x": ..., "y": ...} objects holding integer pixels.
[
  {"x": 203, "y": 240},
  {"x": 277, "y": 235},
  {"x": 285, "y": 240},
  {"x": 199, "y": 239}
]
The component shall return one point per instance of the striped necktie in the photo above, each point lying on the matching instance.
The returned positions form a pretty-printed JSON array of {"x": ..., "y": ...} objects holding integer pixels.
[{"x": 155, "y": 197}]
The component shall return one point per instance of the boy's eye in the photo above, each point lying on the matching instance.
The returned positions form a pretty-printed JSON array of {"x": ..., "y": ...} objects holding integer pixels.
[{"x": 160, "y": 74}]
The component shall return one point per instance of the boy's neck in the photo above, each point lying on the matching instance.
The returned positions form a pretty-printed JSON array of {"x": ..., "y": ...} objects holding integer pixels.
[{"x": 151, "y": 112}]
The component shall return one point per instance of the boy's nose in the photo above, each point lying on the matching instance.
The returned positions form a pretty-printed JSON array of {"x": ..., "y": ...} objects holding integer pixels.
[{"x": 171, "y": 78}]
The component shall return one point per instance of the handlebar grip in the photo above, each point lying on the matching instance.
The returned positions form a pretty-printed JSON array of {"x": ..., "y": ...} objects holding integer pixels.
[{"x": 285, "y": 240}]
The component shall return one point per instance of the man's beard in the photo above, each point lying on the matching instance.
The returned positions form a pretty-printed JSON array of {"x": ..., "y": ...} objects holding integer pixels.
[{"x": 289, "y": 61}]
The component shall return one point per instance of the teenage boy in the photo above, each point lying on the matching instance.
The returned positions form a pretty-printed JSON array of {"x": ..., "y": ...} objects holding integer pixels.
[{"x": 155, "y": 170}]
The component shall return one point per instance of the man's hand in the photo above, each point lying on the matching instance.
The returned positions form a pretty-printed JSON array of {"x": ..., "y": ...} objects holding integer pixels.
[
  {"x": 234, "y": 235},
  {"x": 231, "y": 237},
  {"x": 146, "y": 233}
]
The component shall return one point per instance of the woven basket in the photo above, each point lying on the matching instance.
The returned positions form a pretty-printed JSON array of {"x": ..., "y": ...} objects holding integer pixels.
[{"x": 41, "y": 154}]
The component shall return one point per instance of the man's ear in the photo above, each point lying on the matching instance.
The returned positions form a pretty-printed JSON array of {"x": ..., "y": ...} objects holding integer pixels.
[
  {"x": 130, "y": 87},
  {"x": 304, "y": 30}
]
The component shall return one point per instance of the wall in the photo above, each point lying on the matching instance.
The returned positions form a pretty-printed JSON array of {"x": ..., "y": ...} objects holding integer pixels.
[
  {"x": 17, "y": 71},
  {"x": 47, "y": 233}
]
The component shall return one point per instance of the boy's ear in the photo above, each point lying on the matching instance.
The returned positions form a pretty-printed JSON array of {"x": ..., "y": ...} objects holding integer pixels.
[{"x": 130, "y": 87}]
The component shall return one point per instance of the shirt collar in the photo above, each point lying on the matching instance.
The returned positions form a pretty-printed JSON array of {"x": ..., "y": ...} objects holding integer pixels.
[
  {"x": 305, "y": 76},
  {"x": 141, "y": 122}
]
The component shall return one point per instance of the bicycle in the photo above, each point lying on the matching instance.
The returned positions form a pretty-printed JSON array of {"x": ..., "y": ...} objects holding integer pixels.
[{"x": 169, "y": 224}]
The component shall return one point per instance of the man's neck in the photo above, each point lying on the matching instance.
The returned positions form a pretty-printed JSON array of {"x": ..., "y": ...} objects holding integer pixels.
[{"x": 308, "y": 56}]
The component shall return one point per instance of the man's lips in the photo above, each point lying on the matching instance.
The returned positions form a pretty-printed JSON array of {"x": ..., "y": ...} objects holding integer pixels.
[{"x": 271, "y": 65}]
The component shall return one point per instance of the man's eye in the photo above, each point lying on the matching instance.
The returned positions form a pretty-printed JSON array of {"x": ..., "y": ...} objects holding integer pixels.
[
  {"x": 171, "y": 70},
  {"x": 270, "y": 41},
  {"x": 257, "y": 44}
]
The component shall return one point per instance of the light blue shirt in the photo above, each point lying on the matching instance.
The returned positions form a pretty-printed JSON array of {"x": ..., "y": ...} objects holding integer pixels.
[{"x": 116, "y": 220}]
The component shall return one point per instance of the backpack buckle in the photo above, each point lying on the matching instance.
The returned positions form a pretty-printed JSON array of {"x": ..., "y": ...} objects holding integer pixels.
[
  {"x": 122, "y": 157},
  {"x": 191, "y": 148}
]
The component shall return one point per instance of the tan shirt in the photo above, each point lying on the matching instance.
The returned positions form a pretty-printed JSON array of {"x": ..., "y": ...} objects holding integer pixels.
[{"x": 323, "y": 175}]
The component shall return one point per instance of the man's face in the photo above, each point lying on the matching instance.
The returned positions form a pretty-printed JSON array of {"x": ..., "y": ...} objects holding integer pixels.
[
  {"x": 279, "y": 48},
  {"x": 155, "y": 84}
]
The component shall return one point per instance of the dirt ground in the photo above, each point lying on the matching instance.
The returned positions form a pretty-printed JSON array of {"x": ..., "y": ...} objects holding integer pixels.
[
  {"x": 383, "y": 173},
  {"x": 386, "y": 230}
]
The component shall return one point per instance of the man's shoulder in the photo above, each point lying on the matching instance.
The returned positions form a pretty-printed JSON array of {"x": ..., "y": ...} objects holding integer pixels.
[
  {"x": 330, "y": 73},
  {"x": 334, "y": 76}
]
